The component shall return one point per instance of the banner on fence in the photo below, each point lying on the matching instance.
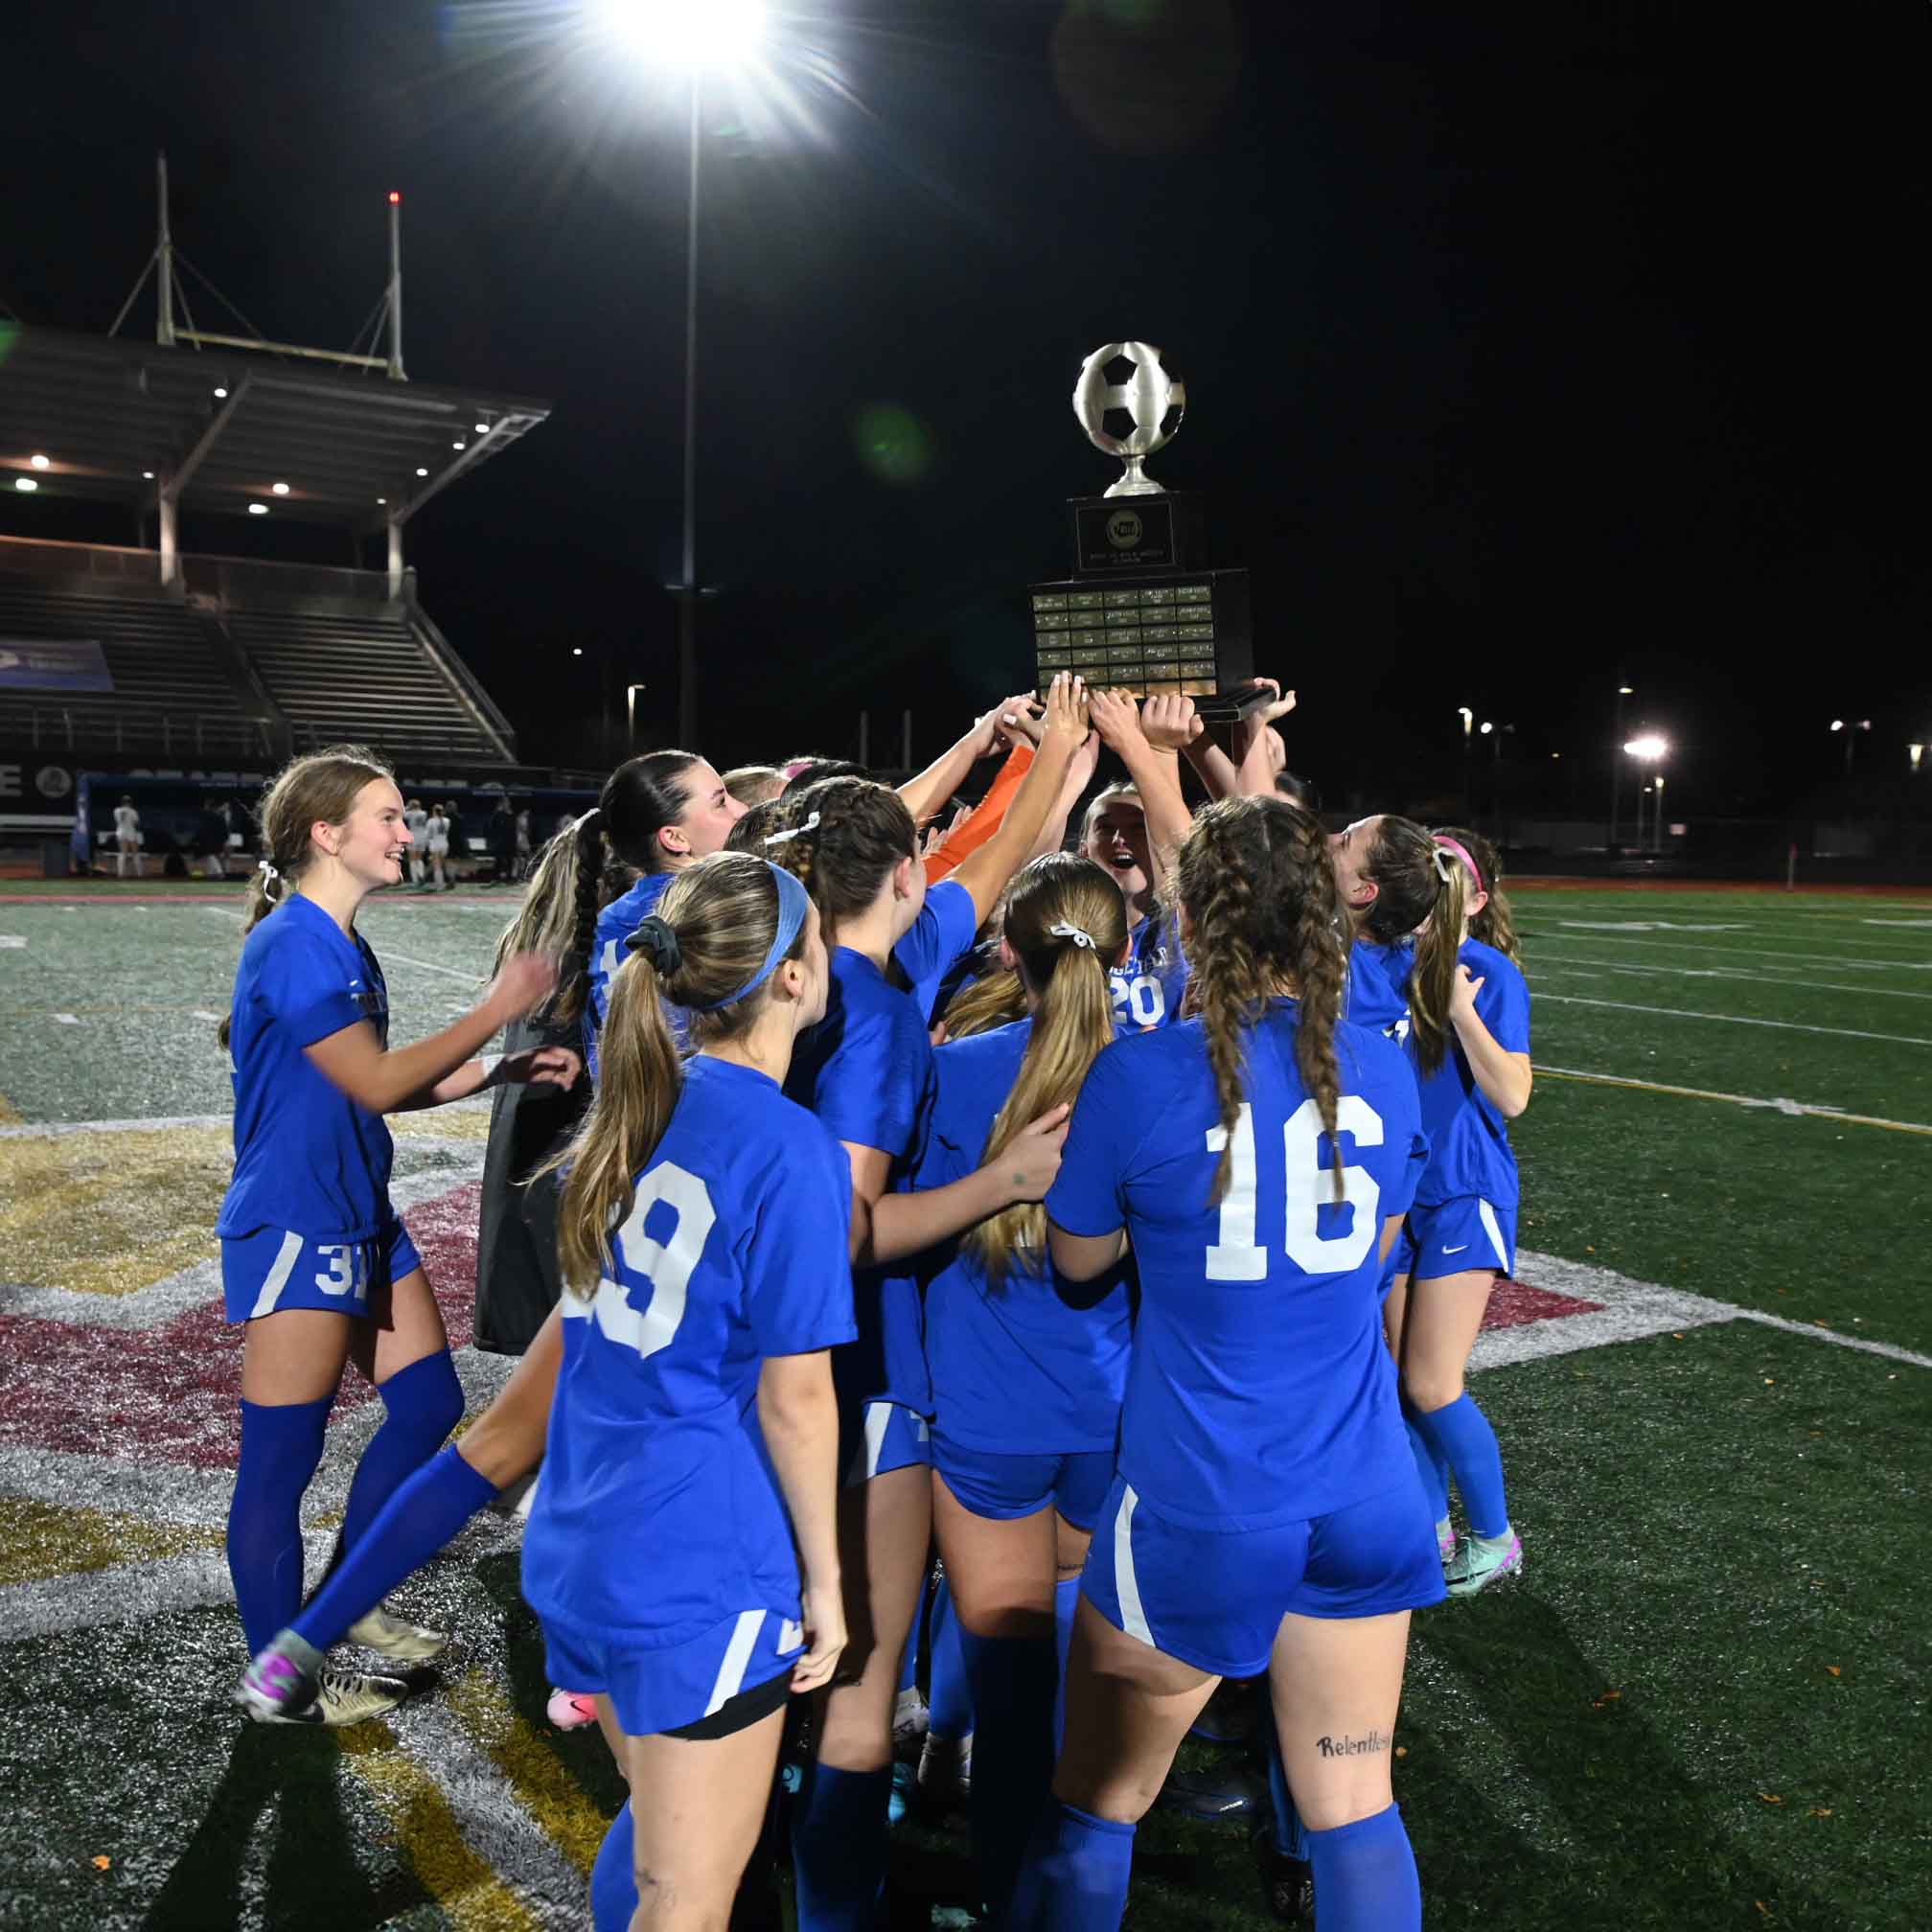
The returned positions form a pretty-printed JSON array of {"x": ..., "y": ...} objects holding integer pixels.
[{"x": 54, "y": 664}]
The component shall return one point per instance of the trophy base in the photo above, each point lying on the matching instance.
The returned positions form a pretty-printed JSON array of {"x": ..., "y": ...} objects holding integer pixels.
[
  {"x": 1112, "y": 535},
  {"x": 1136, "y": 485}
]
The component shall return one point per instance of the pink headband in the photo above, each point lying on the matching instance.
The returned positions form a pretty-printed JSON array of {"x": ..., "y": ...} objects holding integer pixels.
[{"x": 1462, "y": 852}]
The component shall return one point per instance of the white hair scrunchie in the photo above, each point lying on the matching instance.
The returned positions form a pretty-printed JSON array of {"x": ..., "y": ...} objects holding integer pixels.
[
  {"x": 1441, "y": 856},
  {"x": 1078, "y": 935},
  {"x": 269, "y": 880},
  {"x": 779, "y": 837}
]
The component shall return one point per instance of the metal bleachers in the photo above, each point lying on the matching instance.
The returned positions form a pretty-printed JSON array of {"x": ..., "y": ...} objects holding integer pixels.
[
  {"x": 172, "y": 690},
  {"x": 367, "y": 673}
]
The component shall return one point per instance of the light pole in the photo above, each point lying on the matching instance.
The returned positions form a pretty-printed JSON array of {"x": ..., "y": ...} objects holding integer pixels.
[
  {"x": 1468, "y": 718},
  {"x": 631, "y": 692},
  {"x": 1851, "y": 727},
  {"x": 713, "y": 36},
  {"x": 1623, "y": 691},
  {"x": 1651, "y": 751}
]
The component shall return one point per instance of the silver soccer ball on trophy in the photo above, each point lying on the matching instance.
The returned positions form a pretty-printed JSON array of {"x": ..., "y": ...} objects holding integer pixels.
[{"x": 1128, "y": 407}]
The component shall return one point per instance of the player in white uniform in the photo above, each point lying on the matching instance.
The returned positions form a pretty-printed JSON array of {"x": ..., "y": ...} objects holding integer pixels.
[
  {"x": 418, "y": 821},
  {"x": 127, "y": 840},
  {"x": 436, "y": 829}
]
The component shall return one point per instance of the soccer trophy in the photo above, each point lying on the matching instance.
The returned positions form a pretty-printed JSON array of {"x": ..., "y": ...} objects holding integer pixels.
[{"x": 1140, "y": 613}]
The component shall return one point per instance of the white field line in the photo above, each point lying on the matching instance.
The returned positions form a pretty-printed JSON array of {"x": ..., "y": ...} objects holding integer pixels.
[
  {"x": 1734, "y": 1020},
  {"x": 1540, "y": 935},
  {"x": 476, "y": 979},
  {"x": 1790, "y": 1107},
  {"x": 1633, "y": 1309},
  {"x": 36, "y": 1130},
  {"x": 1730, "y": 972}
]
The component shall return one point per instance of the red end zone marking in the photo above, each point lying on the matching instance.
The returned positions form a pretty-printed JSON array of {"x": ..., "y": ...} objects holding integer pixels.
[
  {"x": 168, "y": 1395},
  {"x": 1514, "y": 1304}
]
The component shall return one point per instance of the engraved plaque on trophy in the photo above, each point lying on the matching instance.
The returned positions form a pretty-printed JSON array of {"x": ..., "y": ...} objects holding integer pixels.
[{"x": 1142, "y": 612}]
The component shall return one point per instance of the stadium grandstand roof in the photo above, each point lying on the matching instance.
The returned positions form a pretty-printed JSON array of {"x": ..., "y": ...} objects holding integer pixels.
[{"x": 103, "y": 418}]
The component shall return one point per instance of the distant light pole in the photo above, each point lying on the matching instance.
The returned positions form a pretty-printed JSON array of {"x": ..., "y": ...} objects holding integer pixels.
[
  {"x": 1623, "y": 691},
  {"x": 1651, "y": 751},
  {"x": 631, "y": 692},
  {"x": 1916, "y": 753},
  {"x": 1851, "y": 727},
  {"x": 1468, "y": 718}
]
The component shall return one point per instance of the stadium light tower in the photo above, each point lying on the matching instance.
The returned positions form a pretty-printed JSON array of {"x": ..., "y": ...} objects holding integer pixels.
[
  {"x": 691, "y": 40},
  {"x": 1651, "y": 750}
]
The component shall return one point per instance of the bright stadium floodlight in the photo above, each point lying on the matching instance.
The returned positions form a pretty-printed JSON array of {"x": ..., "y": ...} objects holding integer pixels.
[
  {"x": 38, "y": 461},
  {"x": 1837, "y": 724},
  {"x": 1650, "y": 749},
  {"x": 1916, "y": 753},
  {"x": 718, "y": 34},
  {"x": 27, "y": 483},
  {"x": 1487, "y": 727}
]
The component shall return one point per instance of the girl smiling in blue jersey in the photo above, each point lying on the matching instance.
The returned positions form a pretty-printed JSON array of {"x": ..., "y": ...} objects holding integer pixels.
[
  {"x": 682, "y": 1551},
  {"x": 1267, "y": 1515},
  {"x": 314, "y": 1258},
  {"x": 1025, "y": 1393},
  {"x": 866, "y": 1072}
]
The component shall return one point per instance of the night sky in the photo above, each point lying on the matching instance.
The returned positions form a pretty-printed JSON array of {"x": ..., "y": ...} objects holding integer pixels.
[{"x": 1522, "y": 351}]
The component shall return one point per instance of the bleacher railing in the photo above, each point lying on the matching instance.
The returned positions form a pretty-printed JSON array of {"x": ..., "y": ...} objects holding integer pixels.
[{"x": 54, "y": 728}]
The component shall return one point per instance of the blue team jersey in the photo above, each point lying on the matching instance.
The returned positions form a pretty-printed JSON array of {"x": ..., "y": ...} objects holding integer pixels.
[
  {"x": 865, "y": 1070},
  {"x": 615, "y": 925},
  {"x": 941, "y": 935},
  {"x": 1015, "y": 1370},
  {"x": 660, "y": 1514},
  {"x": 1470, "y": 1151},
  {"x": 1260, "y": 1390},
  {"x": 307, "y": 1158},
  {"x": 1378, "y": 981},
  {"x": 1148, "y": 988}
]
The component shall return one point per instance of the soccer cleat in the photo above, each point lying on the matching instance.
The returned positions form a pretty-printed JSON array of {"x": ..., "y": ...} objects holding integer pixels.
[
  {"x": 269, "y": 1693},
  {"x": 904, "y": 1783},
  {"x": 571, "y": 1710},
  {"x": 945, "y": 1769},
  {"x": 1288, "y": 1884},
  {"x": 1481, "y": 1561},
  {"x": 392, "y": 1637},
  {"x": 1216, "y": 1795},
  {"x": 910, "y": 1721}
]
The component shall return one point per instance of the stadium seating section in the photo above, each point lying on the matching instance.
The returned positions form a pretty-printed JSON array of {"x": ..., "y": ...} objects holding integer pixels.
[
  {"x": 339, "y": 671},
  {"x": 171, "y": 691},
  {"x": 247, "y": 674}
]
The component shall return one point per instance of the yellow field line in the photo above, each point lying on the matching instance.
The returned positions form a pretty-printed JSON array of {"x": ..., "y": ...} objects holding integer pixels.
[
  {"x": 1736, "y": 1099},
  {"x": 547, "y": 1791},
  {"x": 464, "y": 1887}
]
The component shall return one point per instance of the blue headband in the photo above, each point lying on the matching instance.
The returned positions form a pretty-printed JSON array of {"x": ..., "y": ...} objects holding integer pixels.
[{"x": 794, "y": 902}]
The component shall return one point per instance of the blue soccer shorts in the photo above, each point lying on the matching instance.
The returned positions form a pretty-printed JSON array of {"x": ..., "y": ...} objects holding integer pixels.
[
  {"x": 1215, "y": 1598},
  {"x": 1461, "y": 1236},
  {"x": 877, "y": 1438},
  {"x": 675, "y": 1687},
  {"x": 271, "y": 1269},
  {"x": 1004, "y": 1488}
]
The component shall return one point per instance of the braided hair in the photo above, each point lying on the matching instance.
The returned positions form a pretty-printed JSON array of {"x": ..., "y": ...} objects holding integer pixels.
[
  {"x": 1257, "y": 887},
  {"x": 841, "y": 838}
]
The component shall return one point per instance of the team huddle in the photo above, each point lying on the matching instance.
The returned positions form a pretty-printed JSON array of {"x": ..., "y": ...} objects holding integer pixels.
[{"x": 1112, "y": 1206}]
